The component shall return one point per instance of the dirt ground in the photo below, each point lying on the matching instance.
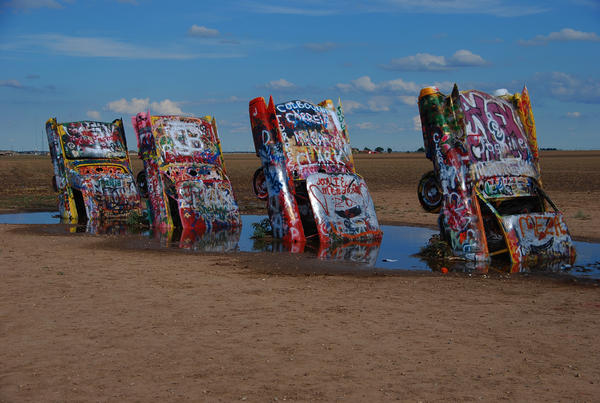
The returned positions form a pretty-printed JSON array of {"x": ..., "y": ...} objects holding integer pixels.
[{"x": 82, "y": 319}]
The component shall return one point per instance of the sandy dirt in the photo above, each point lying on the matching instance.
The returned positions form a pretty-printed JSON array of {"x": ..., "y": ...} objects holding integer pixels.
[{"x": 82, "y": 319}]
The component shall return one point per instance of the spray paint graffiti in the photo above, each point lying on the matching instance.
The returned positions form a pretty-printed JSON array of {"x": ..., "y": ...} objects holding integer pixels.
[
  {"x": 300, "y": 143},
  {"x": 342, "y": 206},
  {"x": 486, "y": 161},
  {"x": 92, "y": 171},
  {"x": 185, "y": 173}
]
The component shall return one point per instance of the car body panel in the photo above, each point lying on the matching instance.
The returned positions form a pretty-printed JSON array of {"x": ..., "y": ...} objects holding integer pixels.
[
  {"x": 485, "y": 155},
  {"x": 535, "y": 235},
  {"x": 91, "y": 159},
  {"x": 185, "y": 171},
  {"x": 342, "y": 206},
  {"x": 295, "y": 140}
]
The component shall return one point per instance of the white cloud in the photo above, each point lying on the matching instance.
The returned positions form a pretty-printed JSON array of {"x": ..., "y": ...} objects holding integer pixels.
[
  {"x": 262, "y": 8},
  {"x": 11, "y": 84},
  {"x": 500, "y": 8},
  {"x": 399, "y": 85},
  {"x": 320, "y": 47},
  {"x": 574, "y": 115},
  {"x": 380, "y": 104},
  {"x": 280, "y": 84},
  {"x": 564, "y": 35},
  {"x": 566, "y": 87},
  {"x": 465, "y": 57},
  {"x": 134, "y": 106},
  {"x": 58, "y": 44},
  {"x": 352, "y": 106},
  {"x": 93, "y": 114},
  {"x": 408, "y": 100},
  {"x": 420, "y": 61},
  {"x": 417, "y": 123},
  {"x": 429, "y": 62},
  {"x": 365, "y": 125},
  {"x": 202, "y": 31},
  {"x": 227, "y": 100},
  {"x": 365, "y": 84},
  {"x": 166, "y": 106},
  {"x": 27, "y": 4}
]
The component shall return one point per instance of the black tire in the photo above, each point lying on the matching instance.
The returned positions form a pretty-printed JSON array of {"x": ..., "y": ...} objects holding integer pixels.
[
  {"x": 259, "y": 184},
  {"x": 430, "y": 193},
  {"x": 142, "y": 183}
]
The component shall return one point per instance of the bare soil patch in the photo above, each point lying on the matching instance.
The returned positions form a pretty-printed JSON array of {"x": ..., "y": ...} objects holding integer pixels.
[{"x": 83, "y": 322}]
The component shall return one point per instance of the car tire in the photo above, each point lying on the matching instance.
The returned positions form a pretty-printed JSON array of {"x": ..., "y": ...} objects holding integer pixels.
[
  {"x": 259, "y": 184},
  {"x": 142, "y": 182},
  {"x": 430, "y": 193}
]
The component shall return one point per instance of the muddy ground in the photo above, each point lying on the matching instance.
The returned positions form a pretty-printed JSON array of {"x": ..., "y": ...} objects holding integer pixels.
[{"x": 82, "y": 319}]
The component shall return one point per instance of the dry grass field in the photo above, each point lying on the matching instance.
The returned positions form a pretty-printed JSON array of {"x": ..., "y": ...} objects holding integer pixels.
[{"x": 84, "y": 319}]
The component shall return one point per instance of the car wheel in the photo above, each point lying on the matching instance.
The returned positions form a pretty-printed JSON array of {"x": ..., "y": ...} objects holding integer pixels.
[
  {"x": 142, "y": 183},
  {"x": 430, "y": 193},
  {"x": 259, "y": 184}
]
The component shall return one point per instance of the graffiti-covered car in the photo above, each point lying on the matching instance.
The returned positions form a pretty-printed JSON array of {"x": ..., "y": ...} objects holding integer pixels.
[
  {"x": 92, "y": 171},
  {"x": 184, "y": 174},
  {"x": 308, "y": 175},
  {"x": 486, "y": 182}
]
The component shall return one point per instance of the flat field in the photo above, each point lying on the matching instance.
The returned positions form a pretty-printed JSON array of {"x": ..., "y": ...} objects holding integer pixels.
[{"x": 83, "y": 318}]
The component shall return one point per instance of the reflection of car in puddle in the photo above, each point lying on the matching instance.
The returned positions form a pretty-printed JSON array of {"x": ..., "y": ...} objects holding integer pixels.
[
  {"x": 364, "y": 253},
  {"x": 216, "y": 241},
  {"x": 184, "y": 174},
  {"x": 397, "y": 250},
  {"x": 307, "y": 174},
  {"x": 486, "y": 182},
  {"x": 92, "y": 173}
]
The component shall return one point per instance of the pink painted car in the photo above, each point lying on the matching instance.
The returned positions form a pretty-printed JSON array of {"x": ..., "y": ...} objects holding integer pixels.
[
  {"x": 184, "y": 174},
  {"x": 486, "y": 182}
]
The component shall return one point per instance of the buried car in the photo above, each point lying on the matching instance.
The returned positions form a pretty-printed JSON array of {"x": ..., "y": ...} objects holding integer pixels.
[
  {"x": 184, "y": 174},
  {"x": 307, "y": 174},
  {"x": 92, "y": 173},
  {"x": 486, "y": 182}
]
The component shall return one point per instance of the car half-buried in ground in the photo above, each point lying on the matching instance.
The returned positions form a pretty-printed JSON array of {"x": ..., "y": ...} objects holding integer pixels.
[
  {"x": 486, "y": 182},
  {"x": 307, "y": 175},
  {"x": 184, "y": 176},
  {"x": 92, "y": 173}
]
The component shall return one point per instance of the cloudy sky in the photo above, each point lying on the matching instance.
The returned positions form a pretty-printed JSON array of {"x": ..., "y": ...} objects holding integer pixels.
[{"x": 104, "y": 59}]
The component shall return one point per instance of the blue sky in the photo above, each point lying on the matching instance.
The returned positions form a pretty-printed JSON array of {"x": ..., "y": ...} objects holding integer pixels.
[{"x": 104, "y": 59}]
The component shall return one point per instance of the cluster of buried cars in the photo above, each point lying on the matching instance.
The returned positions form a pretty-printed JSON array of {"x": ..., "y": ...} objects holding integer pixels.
[{"x": 486, "y": 183}]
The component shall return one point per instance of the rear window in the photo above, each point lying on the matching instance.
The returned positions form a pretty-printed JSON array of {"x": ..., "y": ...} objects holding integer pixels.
[
  {"x": 83, "y": 140},
  {"x": 183, "y": 139}
]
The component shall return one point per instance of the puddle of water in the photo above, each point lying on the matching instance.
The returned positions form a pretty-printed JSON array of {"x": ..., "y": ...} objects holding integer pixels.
[
  {"x": 42, "y": 217},
  {"x": 395, "y": 252}
]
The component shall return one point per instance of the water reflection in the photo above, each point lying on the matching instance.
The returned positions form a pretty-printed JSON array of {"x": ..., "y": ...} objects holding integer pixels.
[
  {"x": 396, "y": 251},
  {"x": 363, "y": 253},
  {"x": 219, "y": 241}
]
